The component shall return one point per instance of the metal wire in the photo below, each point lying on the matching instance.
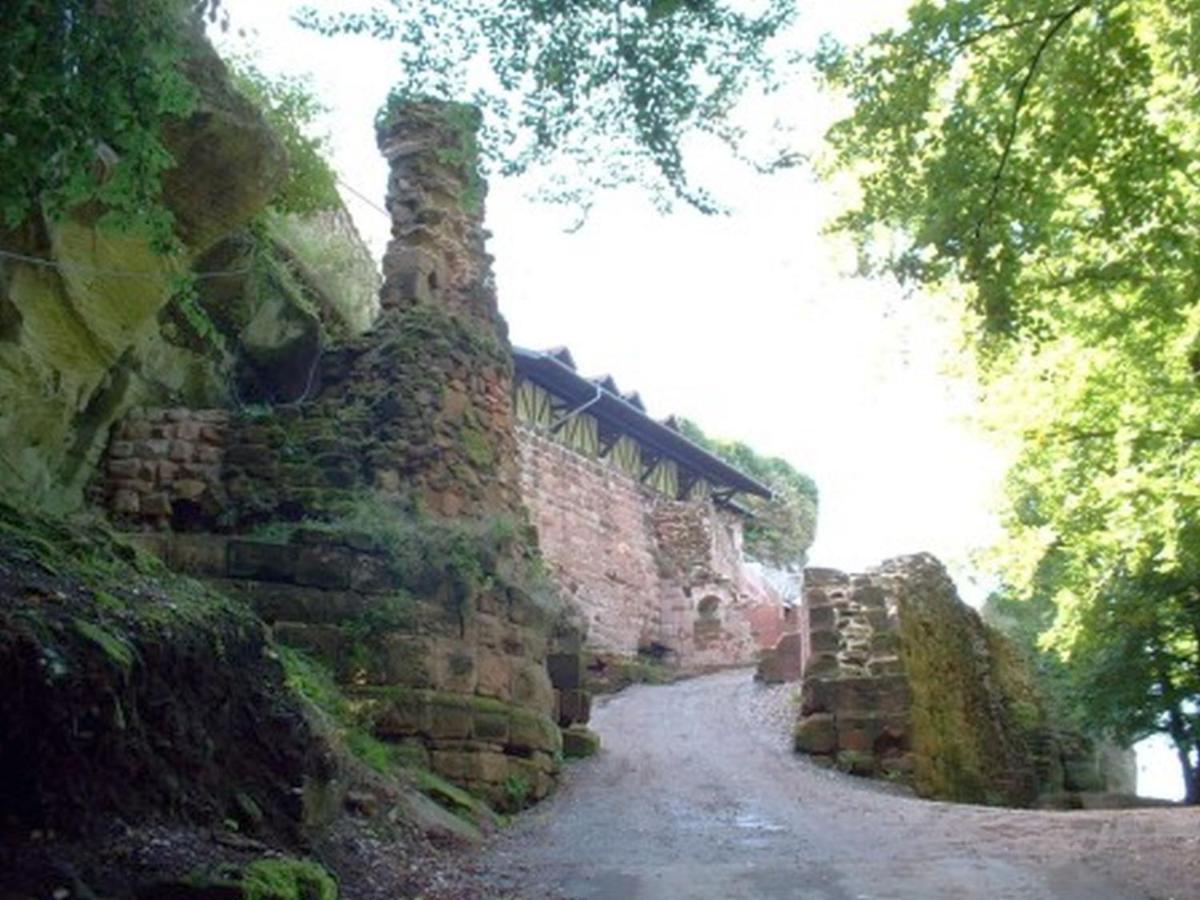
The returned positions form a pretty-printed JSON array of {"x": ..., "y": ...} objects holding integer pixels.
[{"x": 110, "y": 273}]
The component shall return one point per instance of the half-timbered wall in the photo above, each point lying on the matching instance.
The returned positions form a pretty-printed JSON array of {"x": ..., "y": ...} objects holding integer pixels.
[{"x": 546, "y": 414}]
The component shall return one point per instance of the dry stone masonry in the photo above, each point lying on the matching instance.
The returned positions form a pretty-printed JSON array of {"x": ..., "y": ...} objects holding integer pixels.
[
  {"x": 440, "y": 635},
  {"x": 902, "y": 679},
  {"x": 461, "y": 687},
  {"x": 163, "y": 465}
]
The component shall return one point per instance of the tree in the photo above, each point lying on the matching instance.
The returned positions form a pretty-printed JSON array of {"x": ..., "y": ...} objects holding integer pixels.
[
  {"x": 602, "y": 92},
  {"x": 85, "y": 89},
  {"x": 288, "y": 104},
  {"x": 783, "y": 528},
  {"x": 1039, "y": 160}
]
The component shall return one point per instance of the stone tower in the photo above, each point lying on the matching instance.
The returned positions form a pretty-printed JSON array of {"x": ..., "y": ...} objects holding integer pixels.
[{"x": 434, "y": 377}]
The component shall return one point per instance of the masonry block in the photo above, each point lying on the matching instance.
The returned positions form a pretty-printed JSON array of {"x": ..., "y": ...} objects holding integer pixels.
[{"x": 262, "y": 561}]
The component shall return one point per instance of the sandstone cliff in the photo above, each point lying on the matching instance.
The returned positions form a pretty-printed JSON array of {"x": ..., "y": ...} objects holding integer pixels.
[{"x": 94, "y": 322}]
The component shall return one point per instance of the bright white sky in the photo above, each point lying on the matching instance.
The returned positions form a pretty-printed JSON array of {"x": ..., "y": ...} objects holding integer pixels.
[{"x": 749, "y": 324}]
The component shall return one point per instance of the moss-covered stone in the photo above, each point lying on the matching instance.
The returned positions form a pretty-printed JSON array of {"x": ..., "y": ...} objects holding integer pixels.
[
  {"x": 579, "y": 742},
  {"x": 91, "y": 337},
  {"x": 973, "y": 708}
]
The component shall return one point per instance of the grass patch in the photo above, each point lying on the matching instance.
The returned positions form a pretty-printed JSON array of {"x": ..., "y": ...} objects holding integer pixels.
[{"x": 287, "y": 878}]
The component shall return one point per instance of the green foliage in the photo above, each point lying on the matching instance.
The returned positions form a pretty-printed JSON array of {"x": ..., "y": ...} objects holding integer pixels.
[
  {"x": 784, "y": 527},
  {"x": 313, "y": 682},
  {"x": 516, "y": 792},
  {"x": 316, "y": 684},
  {"x": 116, "y": 648},
  {"x": 1039, "y": 160},
  {"x": 85, "y": 89},
  {"x": 287, "y": 878},
  {"x": 605, "y": 91},
  {"x": 339, "y": 267},
  {"x": 291, "y": 109}
]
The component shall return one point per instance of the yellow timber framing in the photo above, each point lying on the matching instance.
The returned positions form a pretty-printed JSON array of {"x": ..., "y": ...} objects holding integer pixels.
[{"x": 539, "y": 409}]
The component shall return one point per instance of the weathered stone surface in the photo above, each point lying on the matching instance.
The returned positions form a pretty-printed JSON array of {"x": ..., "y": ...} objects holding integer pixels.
[
  {"x": 409, "y": 660},
  {"x": 323, "y": 566},
  {"x": 784, "y": 662},
  {"x": 906, "y": 680},
  {"x": 652, "y": 574},
  {"x": 574, "y": 707},
  {"x": 262, "y": 561},
  {"x": 579, "y": 742},
  {"x": 816, "y": 733},
  {"x": 494, "y": 675}
]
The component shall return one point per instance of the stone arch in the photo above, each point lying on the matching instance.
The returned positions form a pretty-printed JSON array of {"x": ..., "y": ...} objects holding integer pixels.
[{"x": 709, "y": 608}]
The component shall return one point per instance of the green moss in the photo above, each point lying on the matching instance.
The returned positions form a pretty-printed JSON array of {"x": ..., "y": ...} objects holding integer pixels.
[
  {"x": 477, "y": 448},
  {"x": 579, "y": 743},
  {"x": 314, "y": 683},
  {"x": 115, "y": 648},
  {"x": 853, "y": 762},
  {"x": 973, "y": 707},
  {"x": 372, "y": 751},
  {"x": 287, "y": 878}
]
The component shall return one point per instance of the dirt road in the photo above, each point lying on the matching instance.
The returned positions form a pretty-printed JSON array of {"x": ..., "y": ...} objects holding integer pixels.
[{"x": 696, "y": 796}]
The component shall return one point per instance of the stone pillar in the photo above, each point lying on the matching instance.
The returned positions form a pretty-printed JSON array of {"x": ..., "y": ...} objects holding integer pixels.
[
  {"x": 435, "y": 197},
  {"x": 435, "y": 375}
]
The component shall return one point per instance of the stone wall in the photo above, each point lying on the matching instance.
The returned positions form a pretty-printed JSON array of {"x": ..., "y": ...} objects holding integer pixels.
[
  {"x": 649, "y": 573},
  {"x": 441, "y": 641},
  {"x": 458, "y": 682},
  {"x": 458, "y": 449},
  {"x": 901, "y": 678},
  {"x": 163, "y": 465}
]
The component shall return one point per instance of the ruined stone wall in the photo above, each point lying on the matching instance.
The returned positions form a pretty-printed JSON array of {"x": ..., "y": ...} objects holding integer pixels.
[
  {"x": 457, "y": 682},
  {"x": 645, "y": 570},
  {"x": 440, "y": 327},
  {"x": 902, "y": 678},
  {"x": 160, "y": 464},
  {"x": 440, "y": 638}
]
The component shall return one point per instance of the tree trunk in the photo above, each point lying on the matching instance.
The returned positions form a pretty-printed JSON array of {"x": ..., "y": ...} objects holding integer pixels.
[{"x": 1177, "y": 727}]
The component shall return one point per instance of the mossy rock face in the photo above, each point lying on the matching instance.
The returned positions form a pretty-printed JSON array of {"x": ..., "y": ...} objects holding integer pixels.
[
  {"x": 175, "y": 705},
  {"x": 84, "y": 342},
  {"x": 974, "y": 709}
]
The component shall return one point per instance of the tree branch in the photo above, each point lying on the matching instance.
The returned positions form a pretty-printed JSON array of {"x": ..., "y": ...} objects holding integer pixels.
[
  {"x": 1057, "y": 24},
  {"x": 1006, "y": 26}
]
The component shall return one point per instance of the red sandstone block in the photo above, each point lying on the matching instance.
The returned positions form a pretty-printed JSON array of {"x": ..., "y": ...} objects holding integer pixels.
[
  {"x": 126, "y": 501},
  {"x": 124, "y": 468},
  {"x": 156, "y": 505},
  {"x": 152, "y": 448},
  {"x": 188, "y": 489},
  {"x": 181, "y": 451}
]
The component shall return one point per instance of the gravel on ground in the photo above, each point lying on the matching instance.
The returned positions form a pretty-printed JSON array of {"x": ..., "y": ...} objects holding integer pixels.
[{"x": 696, "y": 794}]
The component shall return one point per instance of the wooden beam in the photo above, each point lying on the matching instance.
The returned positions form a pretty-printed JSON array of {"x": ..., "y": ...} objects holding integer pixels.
[
  {"x": 649, "y": 466},
  {"x": 686, "y": 481},
  {"x": 607, "y": 442}
]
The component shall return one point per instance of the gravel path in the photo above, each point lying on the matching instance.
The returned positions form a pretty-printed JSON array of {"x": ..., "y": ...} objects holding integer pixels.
[{"x": 695, "y": 795}]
